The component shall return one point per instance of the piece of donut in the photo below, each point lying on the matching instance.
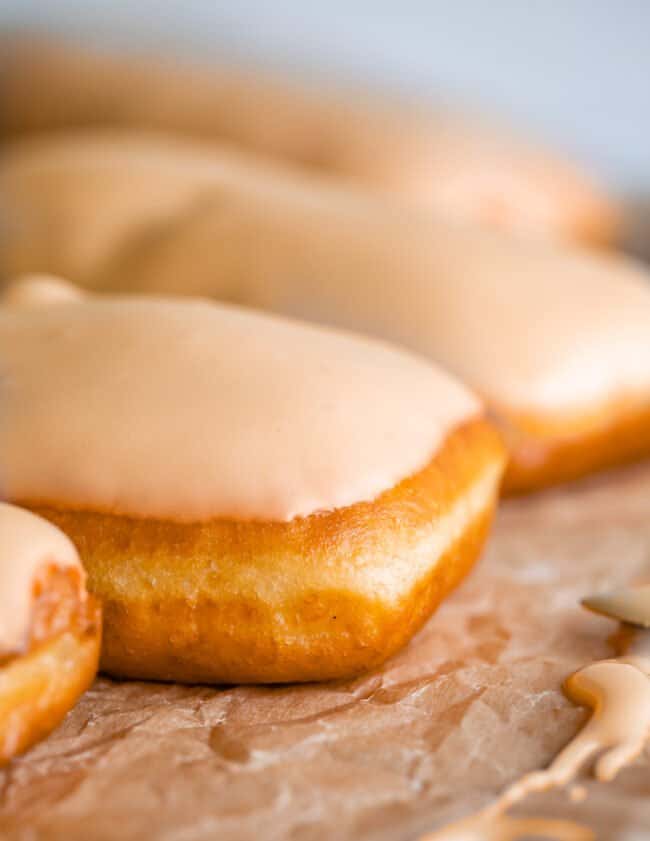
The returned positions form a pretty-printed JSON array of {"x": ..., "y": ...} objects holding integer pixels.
[
  {"x": 462, "y": 167},
  {"x": 68, "y": 207},
  {"x": 49, "y": 629},
  {"x": 253, "y": 499},
  {"x": 555, "y": 340}
]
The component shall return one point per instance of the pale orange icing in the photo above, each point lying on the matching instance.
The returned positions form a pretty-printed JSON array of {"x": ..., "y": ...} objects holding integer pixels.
[
  {"x": 39, "y": 289},
  {"x": 530, "y": 327},
  {"x": 505, "y": 828},
  {"x": 187, "y": 410},
  {"x": 631, "y": 604},
  {"x": 27, "y": 544},
  {"x": 618, "y": 691}
]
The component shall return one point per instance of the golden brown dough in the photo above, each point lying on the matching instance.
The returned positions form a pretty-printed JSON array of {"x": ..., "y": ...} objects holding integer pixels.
[
  {"x": 551, "y": 450},
  {"x": 39, "y": 688},
  {"x": 462, "y": 168},
  {"x": 211, "y": 616}
]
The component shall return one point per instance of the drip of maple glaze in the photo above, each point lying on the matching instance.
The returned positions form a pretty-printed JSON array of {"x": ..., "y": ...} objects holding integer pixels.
[
  {"x": 483, "y": 827},
  {"x": 618, "y": 692}
]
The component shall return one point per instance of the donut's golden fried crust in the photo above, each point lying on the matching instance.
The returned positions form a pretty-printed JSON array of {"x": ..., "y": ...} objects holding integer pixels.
[
  {"x": 549, "y": 452},
  {"x": 326, "y": 596},
  {"x": 40, "y": 685}
]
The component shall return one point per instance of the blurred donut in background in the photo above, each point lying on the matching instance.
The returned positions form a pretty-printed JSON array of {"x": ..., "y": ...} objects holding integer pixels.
[
  {"x": 462, "y": 167},
  {"x": 555, "y": 339}
]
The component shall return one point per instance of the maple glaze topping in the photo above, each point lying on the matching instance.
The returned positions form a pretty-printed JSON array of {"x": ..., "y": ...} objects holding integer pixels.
[{"x": 187, "y": 409}]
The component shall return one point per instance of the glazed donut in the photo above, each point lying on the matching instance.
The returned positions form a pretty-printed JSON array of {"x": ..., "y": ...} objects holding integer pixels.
[
  {"x": 253, "y": 499},
  {"x": 49, "y": 630},
  {"x": 555, "y": 340},
  {"x": 462, "y": 167},
  {"x": 63, "y": 214}
]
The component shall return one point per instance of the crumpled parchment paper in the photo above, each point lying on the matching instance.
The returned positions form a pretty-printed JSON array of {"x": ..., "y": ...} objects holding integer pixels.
[{"x": 472, "y": 703}]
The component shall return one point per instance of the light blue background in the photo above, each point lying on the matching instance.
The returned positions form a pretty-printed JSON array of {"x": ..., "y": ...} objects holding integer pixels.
[{"x": 575, "y": 71}]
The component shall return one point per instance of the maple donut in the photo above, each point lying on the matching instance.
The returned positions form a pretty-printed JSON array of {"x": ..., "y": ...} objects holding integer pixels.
[
  {"x": 49, "y": 630},
  {"x": 461, "y": 166},
  {"x": 555, "y": 340},
  {"x": 253, "y": 499}
]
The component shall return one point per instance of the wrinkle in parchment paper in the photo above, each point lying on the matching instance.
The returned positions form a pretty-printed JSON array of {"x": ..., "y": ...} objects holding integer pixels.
[{"x": 474, "y": 702}]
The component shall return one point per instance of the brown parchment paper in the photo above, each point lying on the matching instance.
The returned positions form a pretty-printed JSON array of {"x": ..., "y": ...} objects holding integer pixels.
[{"x": 473, "y": 702}]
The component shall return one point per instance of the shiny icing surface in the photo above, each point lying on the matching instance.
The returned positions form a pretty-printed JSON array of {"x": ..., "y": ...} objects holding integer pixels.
[
  {"x": 530, "y": 328},
  {"x": 533, "y": 328},
  {"x": 618, "y": 692},
  {"x": 187, "y": 410},
  {"x": 27, "y": 544}
]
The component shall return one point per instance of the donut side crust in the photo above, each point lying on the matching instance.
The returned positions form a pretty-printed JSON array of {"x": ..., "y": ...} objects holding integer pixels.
[
  {"x": 547, "y": 451},
  {"x": 321, "y": 597},
  {"x": 40, "y": 686}
]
